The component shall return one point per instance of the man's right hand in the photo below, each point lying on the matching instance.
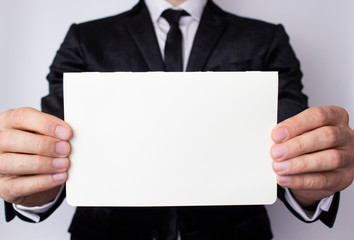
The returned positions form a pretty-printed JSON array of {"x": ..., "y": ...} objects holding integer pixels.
[{"x": 34, "y": 152}]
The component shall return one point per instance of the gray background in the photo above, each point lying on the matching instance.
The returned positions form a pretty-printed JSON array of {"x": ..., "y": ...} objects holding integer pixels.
[{"x": 322, "y": 34}]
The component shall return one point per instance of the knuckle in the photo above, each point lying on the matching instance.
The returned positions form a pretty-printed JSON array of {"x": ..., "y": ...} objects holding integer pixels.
[
  {"x": 299, "y": 145},
  {"x": 18, "y": 116},
  {"x": 299, "y": 183},
  {"x": 37, "y": 166},
  {"x": 48, "y": 125},
  {"x": 15, "y": 189},
  {"x": 42, "y": 145},
  {"x": 343, "y": 114},
  {"x": 322, "y": 182},
  {"x": 320, "y": 114},
  {"x": 6, "y": 115},
  {"x": 301, "y": 165},
  {"x": 335, "y": 158},
  {"x": 332, "y": 136},
  {"x": 310, "y": 183}
]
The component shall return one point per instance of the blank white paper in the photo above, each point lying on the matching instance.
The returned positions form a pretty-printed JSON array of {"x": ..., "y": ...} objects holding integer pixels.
[{"x": 171, "y": 139}]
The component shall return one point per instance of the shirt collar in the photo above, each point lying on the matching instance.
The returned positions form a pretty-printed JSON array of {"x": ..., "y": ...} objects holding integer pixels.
[{"x": 193, "y": 7}]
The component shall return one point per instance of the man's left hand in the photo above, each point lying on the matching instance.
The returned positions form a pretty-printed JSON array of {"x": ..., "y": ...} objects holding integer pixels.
[{"x": 314, "y": 153}]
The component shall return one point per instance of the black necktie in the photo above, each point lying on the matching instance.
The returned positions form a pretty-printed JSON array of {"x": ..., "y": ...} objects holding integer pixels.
[{"x": 173, "y": 47}]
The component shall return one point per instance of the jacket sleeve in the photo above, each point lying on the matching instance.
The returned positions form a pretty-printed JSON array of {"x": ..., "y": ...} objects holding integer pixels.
[
  {"x": 69, "y": 58},
  {"x": 291, "y": 101}
]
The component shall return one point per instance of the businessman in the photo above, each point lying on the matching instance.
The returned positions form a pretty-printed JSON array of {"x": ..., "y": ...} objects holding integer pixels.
[{"x": 313, "y": 148}]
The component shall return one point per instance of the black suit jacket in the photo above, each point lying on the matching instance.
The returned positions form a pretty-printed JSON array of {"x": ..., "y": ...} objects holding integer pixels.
[{"x": 224, "y": 42}]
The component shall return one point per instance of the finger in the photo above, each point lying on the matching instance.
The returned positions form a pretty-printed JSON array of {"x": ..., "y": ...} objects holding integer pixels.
[
  {"x": 316, "y": 140},
  {"x": 322, "y": 161},
  {"x": 39, "y": 199},
  {"x": 15, "y": 188},
  {"x": 23, "y": 164},
  {"x": 313, "y": 181},
  {"x": 307, "y": 120},
  {"x": 17, "y": 141},
  {"x": 30, "y": 119}
]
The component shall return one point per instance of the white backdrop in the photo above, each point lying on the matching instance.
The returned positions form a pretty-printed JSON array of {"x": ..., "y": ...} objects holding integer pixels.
[{"x": 321, "y": 32}]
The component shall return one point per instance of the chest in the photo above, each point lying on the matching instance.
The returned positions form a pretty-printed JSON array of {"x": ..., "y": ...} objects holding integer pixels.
[{"x": 121, "y": 52}]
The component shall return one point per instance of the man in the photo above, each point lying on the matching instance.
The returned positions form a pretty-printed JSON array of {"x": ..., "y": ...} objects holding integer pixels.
[{"x": 313, "y": 151}]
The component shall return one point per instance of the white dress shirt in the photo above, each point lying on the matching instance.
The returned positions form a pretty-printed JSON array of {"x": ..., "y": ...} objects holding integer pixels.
[{"x": 188, "y": 25}]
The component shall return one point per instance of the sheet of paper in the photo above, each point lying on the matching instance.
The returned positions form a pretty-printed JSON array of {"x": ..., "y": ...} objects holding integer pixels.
[{"x": 171, "y": 139}]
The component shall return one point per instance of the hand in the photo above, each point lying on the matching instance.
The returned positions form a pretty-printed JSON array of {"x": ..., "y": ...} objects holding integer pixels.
[
  {"x": 314, "y": 153},
  {"x": 34, "y": 151}
]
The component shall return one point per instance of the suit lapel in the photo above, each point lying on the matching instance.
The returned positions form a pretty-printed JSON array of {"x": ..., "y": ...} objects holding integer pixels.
[
  {"x": 141, "y": 29},
  {"x": 211, "y": 27}
]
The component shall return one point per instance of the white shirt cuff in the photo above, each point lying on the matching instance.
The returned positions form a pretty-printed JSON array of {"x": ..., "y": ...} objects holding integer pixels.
[
  {"x": 32, "y": 212},
  {"x": 323, "y": 205}
]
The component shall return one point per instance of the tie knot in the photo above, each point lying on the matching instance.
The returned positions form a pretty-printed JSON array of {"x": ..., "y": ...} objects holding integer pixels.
[{"x": 173, "y": 16}]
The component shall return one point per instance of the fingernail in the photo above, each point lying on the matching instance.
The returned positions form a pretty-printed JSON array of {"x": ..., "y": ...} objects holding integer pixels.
[
  {"x": 62, "y": 132},
  {"x": 62, "y": 148},
  {"x": 283, "y": 179},
  {"x": 59, "y": 177},
  {"x": 281, "y": 166},
  {"x": 278, "y": 151},
  {"x": 280, "y": 135},
  {"x": 59, "y": 163}
]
